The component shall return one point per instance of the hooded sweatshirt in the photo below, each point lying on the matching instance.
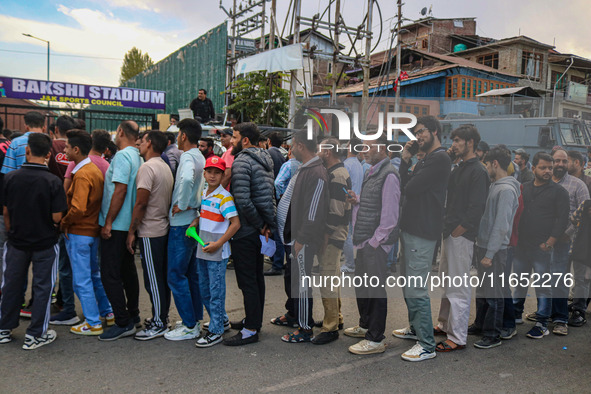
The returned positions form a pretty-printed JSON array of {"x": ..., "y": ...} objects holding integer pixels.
[
  {"x": 497, "y": 221},
  {"x": 253, "y": 191}
]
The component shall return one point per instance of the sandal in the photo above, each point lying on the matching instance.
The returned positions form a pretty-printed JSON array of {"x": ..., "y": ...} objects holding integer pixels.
[
  {"x": 444, "y": 347},
  {"x": 301, "y": 336},
  {"x": 284, "y": 321},
  {"x": 438, "y": 331}
]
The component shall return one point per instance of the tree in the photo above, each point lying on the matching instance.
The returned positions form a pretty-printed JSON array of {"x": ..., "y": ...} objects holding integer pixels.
[
  {"x": 260, "y": 98},
  {"x": 134, "y": 63}
]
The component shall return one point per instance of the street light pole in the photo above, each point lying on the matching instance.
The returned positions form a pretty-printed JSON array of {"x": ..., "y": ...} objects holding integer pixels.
[{"x": 41, "y": 39}]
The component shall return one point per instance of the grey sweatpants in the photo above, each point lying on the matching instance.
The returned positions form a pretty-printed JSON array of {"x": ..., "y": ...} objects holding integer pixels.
[{"x": 15, "y": 271}]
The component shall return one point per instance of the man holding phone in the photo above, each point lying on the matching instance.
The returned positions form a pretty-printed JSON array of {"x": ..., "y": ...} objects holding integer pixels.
[{"x": 421, "y": 225}]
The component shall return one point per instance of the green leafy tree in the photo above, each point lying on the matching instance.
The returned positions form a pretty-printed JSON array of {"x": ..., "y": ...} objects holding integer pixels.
[
  {"x": 260, "y": 98},
  {"x": 134, "y": 63}
]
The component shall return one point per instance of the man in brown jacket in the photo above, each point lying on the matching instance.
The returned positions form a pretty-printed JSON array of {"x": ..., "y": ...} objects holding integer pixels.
[{"x": 81, "y": 230}]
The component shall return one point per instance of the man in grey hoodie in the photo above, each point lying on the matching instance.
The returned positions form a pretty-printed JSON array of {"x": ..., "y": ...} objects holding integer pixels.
[{"x": 491, "y": 252}]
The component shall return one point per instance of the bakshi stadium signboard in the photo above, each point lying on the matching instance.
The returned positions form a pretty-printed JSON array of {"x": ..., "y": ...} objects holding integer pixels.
[{"x": 66, "y": 92}]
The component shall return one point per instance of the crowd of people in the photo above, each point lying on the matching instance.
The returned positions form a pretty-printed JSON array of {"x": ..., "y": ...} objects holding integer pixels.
[{"x": 75, "y": 205}]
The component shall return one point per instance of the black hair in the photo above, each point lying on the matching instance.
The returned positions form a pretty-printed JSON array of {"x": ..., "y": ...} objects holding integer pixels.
[
  {"x": 39, "y": 144},
  {"x": 1, "y": 124},
  {"x": 208, "y": 140},
  {"x": 275, "y": 139},
  {"x": 158, "y": 139},
  {"x": 431, "y": 123},
  {"x": 112, "y": 147},
  {"x": 353, "y": 142},
  {"x": 467, "y": 133},
  {"x": 170, "y": 136},
  {"x": 130, "y": 129},
  {"x": 174, "y": 117},
  {"x": 576, "y": 156},
  {"x": 204, "y": 91},
  {"x": 52, "y": 127},
  {"x": 15, "y": 134},
  {"x": 556, "y": 149},
  {"x": 64, "y": 123},
  {"x": 6, "y": 133},
  {"x": 500, "y": 154},
  {"x": 301, "y": 137},
  {"x": 191, "y": 128},
  {"x": 81, "y": 139},
  {"x": 79, "y": 124},
  {"x": 100, "y": 140},
  {"x": 541, "y": 156},
  {"x": 34, "y": 119},
  {"x": 523, "y": 155},
  {"x": 250, "y": 131}
]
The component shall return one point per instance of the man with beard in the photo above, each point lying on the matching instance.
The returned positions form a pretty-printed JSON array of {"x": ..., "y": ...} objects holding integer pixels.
[
  {"x": 543, "y": 222},
  {"x": 302, "y": 219},
  {"x": 521, "y": 159},
  {"x": 466, "y": 198},
  {"x": 560, "y": 264},
  {"x": 375, "y": 216},
  {"x": 421, "y": 224},
  {"x": 337, "y": 223},
  {"x": 576, "y": 163},
  {"x": 252, "y": 188}
]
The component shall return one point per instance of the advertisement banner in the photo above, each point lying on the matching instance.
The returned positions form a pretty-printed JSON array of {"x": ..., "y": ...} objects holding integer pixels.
[{"x": 65, "y": 92}]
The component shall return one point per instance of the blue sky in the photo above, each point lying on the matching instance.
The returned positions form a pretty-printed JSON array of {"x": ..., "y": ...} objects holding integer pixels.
[{"x": 108, "y": 28}]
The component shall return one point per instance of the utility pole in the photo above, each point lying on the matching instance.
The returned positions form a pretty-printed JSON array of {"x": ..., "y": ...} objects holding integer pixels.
[
  {"x": 398, "y": 56},
  {"x": 365, "y": 93},
  {"x": 293, "y": 79},
  {"x": 262, "y": 46},
  {"x": 272, "y": 24},
  {"x": 337, "y": 22}
]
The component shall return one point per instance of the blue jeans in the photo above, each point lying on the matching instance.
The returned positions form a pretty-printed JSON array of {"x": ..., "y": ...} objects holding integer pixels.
[
  {"x": 279, "y": 257},
  {"x": 524, "y": 260},
  {"x": 212, "y": 284},
  {"x": 560, "y": 265},
  {"x": 83, "y": 252},
  {"x": 183, "y": 278},
  {"x": 65, "y": 279}
]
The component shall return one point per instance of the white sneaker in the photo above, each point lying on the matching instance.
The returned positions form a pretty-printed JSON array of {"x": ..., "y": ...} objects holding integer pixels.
[
  {"x": 32, "y": 342},
  {"x": 5, "y": 336},
  {"x": 181, "y": 332},
  {"x": 367, "y": 347},
  {"x": 150, "y": 333},
  {"x": 355, "y": 332},
  {"x": 405, "y": 333},
  {"x": 417, "y": 353}
]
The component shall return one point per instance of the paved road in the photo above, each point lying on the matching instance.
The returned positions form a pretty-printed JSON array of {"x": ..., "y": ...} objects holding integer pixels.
[{"x": 74, "y": 364}]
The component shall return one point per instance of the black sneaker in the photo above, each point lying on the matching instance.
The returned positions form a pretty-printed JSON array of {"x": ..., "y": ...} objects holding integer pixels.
[
  {"x": 487, "y": 343},
  {"x": 64, "y": 319},
  {"x": 237, "y": 325},
  {"x": 5, "y": 336},
  {"x": 209, "y": 339},
  {"x": 473, "y": 330},
  {"x": 226, "y": 325},
  {"x": 137, "y": 321},
  {"x": 273, "y": 272},
  {"x": 116, "y": 332},
  {"x": 230, "y": 265},
  {"x": 325, "y": 337},
  {"x": 237, "y": 340},
  {"x": 577, "y": 319}
]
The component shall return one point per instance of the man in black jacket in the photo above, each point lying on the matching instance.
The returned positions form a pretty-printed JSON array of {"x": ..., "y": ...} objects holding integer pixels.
[
  {"x": 466, "y": 198},
  {"x": 202, "y": 107},
  {"x": 421, "y": 224},
  {"x": 252, "y": 188},
  {"x": 301, "y": 218},
  {"x": 543, "y": 221}
]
